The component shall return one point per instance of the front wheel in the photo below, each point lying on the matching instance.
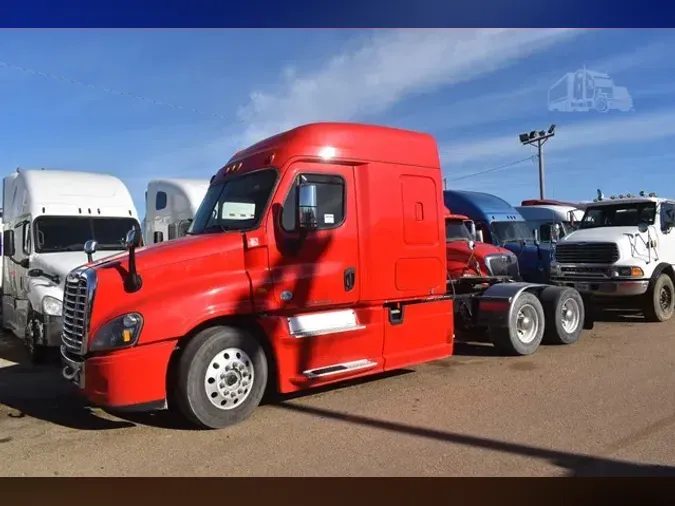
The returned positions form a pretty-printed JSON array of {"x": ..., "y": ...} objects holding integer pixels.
[
  {"x": 525, "y": 329},
  {"x": 565, "y": 315},
  {"x": 660, "y": 300},
  {"x": 222, "y": 375},
  {"x": 34, "y": 339}
]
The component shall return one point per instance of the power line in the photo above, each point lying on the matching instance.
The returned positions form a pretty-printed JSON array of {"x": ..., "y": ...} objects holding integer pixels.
[
  {"x": 501, "y": 167},
  {"x": 47, "y": 75}
]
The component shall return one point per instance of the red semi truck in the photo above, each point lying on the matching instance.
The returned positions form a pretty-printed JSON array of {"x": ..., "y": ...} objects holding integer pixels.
[
  {"x": 317, "y": 255},
  {"x": 467, "y": 256}
]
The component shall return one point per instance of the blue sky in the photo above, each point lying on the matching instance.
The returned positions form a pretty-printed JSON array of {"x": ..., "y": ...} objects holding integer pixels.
[{"x": 206, "y": 93}]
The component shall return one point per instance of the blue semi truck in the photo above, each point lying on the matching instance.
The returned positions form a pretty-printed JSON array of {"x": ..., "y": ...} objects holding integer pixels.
[{"x": 499, "y": 223}]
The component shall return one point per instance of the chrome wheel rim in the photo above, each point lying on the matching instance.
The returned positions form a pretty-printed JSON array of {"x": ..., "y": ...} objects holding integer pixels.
[
  {"x": 229, "y": 378},
  {"x": 666, "y": 299},
  {"x": 570, "y": 315},
  {"x": 527, "y": 324}
]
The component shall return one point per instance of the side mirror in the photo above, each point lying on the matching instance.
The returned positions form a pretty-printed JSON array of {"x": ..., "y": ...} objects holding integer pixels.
[
  {"x": 472, "y": 245},
  {"x": 183, "y": 227},
  {"x": 479, "y": 236},
  {"x": 25, "y": 263},
  {"x": 35, "y": 273},
  {"x": 133, "y": 239},
  {"x": 157, "y": 237},
  {"x": 472, "y": 230},
  {"x": 307, "y": 217},
  {"x": 90, "y": 248},
  {"x": 555, "y": 233},
  {"x": 536, "y": 236},
  {"x": 8, "y": 240}
]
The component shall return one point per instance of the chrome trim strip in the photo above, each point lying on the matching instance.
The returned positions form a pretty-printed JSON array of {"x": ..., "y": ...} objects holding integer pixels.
[
  {"x": 343, "y": 367},
  {"x": 323, "y": 332}
]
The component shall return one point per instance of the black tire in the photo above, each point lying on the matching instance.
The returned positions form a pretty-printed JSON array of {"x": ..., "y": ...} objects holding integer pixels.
[
  {"x": 660, "y": 299},
  {"x": 507, "y": 340},
  {"x": 39, "y": 354},
  {"x": 190, "y": 389},
  {"x": 554, "y": 299}
]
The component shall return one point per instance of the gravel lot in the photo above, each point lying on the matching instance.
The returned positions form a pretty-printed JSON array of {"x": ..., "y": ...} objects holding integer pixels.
[{"x": 605, "y": 406}]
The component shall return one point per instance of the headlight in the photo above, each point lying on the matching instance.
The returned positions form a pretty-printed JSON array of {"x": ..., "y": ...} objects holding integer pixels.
[
  {"x": 51, "y": 306},
  {"x": 628, "y": 272},
  {"x": 120, "y": 332}
]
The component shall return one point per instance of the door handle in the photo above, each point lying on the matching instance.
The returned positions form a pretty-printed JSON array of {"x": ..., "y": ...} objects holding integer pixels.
[{"x": 350, "y": 278}]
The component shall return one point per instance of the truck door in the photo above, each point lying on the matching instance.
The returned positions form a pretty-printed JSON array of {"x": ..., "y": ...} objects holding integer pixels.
[
  {"x": 18, "y": 279},
  {"x": 316, "y": 277},
  {"x": 667, "y": 240},
  {"x": 316, "y": 268}
]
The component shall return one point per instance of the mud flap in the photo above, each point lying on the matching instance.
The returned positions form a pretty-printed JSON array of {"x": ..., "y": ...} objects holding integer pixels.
[{"x": 589, "y": 313}]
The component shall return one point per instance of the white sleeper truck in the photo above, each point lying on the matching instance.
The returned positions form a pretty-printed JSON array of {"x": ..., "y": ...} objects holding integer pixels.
[
  {"x": 49, "y": 215},
  {"x": 624, "y": 247},
  {"x": 170, "y": 206}
]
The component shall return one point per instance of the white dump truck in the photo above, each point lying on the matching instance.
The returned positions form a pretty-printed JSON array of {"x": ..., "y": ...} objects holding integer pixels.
[
  {"x": 623, "y": 247},
  {"x": 49, "y": 215},
  {"x": 170, "y": 206}
]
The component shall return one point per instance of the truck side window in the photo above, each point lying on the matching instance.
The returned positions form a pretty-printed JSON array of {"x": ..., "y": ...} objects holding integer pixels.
[
  {"x": 160, "y": 201},
  {"x": 330, "y": 199},
  {"x": 545, "y": 232},
  {"x": 667, "y": 215}
]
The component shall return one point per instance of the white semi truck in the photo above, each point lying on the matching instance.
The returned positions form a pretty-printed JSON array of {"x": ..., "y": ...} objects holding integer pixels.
[
  {"x": 623, "y": 247},
  {"x": 49, "y": 215},
  {"x": 170, "y": 206}
]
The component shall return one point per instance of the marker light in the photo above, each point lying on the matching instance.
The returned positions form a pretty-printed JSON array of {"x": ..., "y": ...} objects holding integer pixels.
[{"x": 327, "y": 152}]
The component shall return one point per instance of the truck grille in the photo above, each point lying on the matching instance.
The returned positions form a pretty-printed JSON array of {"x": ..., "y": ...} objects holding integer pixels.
[
  {"x": 502, "y": 265},
  {"x": 587, "y": 253},
  {"x": 77, "y": 299}
]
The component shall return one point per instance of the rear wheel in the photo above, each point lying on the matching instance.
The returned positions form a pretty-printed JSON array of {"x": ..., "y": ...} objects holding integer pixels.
[
  {"x": 221, "y": 377},
  {"x": 525, "y": 328},
  {"x": 565, "y": 315},
  {"x": 660, "y": 299}
]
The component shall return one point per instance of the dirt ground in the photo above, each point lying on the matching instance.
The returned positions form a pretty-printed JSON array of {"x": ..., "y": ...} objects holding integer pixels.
[{"x": 604, "y": 406}]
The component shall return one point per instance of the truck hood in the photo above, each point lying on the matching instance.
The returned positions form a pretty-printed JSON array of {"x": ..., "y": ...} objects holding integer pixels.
[
  {"x": 482, "y": 249},
  {"x": 604, "y": 234},
  {"x": 629, "y": 247},
  {"x": 534, "y": 266},
  {"x": 62, "y": 263},
  {"x": 176, "y": 251},
  {"x": 182, "y": 281}
]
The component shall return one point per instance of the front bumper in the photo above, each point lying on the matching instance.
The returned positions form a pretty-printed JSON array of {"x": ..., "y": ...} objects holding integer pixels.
[
  {"x": 610, "y": 288},
  {"x": 124, "y": 378}
]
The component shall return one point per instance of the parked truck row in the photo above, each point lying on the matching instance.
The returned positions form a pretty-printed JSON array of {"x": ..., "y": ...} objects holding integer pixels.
[{"x": 324, "y": 253}]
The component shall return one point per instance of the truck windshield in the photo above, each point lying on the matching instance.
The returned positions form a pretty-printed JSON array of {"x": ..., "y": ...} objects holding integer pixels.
[
  {"x": 455, "y": 230},
  {"x": 235, "y": 204},
  {"x": 511, "y": 231},
  {"x": 55, "y": 234},
  {"x": 625, "y": 214}
]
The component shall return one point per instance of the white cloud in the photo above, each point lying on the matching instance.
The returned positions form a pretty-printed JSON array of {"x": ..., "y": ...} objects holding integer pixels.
[
  {"x": 630, "y": 128},
  {"x": 387, "y": 68}
]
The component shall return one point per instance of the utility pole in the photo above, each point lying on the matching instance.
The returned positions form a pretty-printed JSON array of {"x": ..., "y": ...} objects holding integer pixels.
[{"x": 538, "y": 138}]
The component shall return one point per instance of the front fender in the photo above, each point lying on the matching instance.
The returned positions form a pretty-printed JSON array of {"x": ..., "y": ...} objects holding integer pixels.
[
  {"x": 38, "y": 289},
  {"x": 495, "y": 303},
  {"x": 171, "y": 310}
]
